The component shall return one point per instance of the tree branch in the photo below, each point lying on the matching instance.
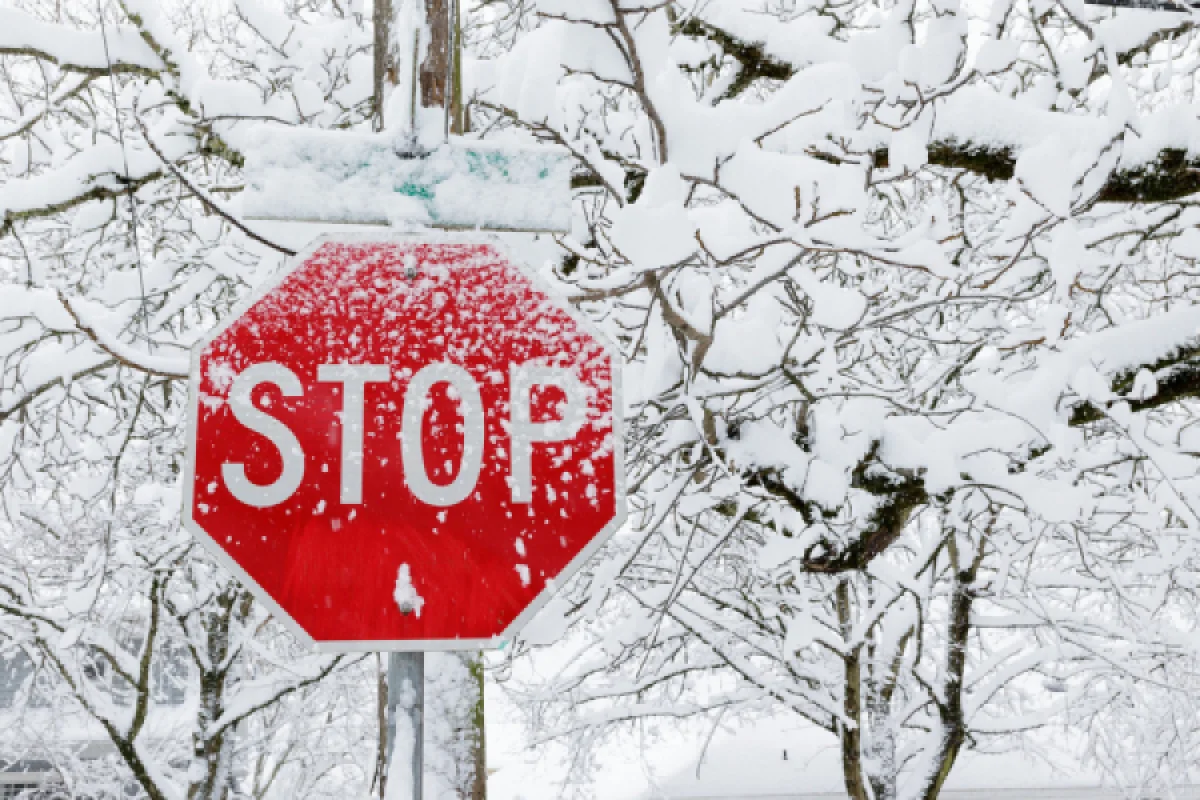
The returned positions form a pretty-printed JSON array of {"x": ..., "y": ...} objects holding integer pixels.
[
  {"x": 206, "y": 199},
  {"x": 142, "y": 362},
  {"x": 225, "y": 724},
  {"x": 1177, "y": 378},
  {"x": 63, "y": 380},
  {"x": 96, "y": 192},
  {"x": 1170, "y": 176}
]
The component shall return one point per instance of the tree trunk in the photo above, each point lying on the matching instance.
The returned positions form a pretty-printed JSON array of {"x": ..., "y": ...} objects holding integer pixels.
[
  {"x": 477, "y": 736},
  {"x": 381, "y": 752},
  {"x": 209, "y": 748},
  {"x": 951, "y": 711},
  {"x": 455, "y": 744},
  {"x": 439, "y": 74},
  {"x": 459, "y": 123},
  {"x": 385, "y": 75},
  {"x": 850, "y": 731},
  {"x": 435, "y": 70}
]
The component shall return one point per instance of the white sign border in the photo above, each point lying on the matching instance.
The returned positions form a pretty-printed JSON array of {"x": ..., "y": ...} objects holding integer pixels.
[{"x": 552, "y": 587}]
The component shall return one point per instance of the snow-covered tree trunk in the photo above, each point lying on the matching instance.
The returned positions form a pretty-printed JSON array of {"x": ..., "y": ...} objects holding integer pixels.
[
  {"x": 456, "y": 745},
  {"x": 213, "y": 781}
]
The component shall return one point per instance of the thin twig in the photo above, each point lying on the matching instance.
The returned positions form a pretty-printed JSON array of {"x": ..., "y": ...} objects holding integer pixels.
[{"x": 208, "y": 202}]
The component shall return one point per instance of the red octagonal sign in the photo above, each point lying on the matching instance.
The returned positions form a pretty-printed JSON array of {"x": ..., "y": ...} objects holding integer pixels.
[{"x": 404, "y": 443}]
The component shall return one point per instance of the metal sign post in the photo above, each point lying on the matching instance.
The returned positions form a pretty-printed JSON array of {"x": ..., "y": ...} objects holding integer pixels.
[
  {"x": 406, "y": 671},
  {"x": 406, "y": 697}
]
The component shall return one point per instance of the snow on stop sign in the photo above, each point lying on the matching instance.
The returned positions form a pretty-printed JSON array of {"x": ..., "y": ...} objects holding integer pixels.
[{"x": 403, "y": 443}]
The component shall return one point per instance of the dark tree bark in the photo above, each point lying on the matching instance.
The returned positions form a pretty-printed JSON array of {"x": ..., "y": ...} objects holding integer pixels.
[
  {"x": 385, "y": 75},
  {"x": 850, "y": 732},
  {"x": 479, "y": 732},
  {"x": 440, "y": 74},
  {"x": 435, "y": 70}
]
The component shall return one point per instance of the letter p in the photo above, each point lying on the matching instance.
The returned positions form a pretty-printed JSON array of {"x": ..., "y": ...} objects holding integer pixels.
[{"x": 523, "y": 431}]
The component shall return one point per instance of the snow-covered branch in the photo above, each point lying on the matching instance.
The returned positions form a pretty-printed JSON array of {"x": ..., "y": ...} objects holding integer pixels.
[{"x": 74, "y": 50}]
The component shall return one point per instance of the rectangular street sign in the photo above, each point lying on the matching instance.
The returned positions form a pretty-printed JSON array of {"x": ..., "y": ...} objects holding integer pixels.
[{"x": 304, "y": 174}]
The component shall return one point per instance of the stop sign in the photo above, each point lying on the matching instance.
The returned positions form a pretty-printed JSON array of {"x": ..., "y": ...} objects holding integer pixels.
[{"x": 404, "y": 443}]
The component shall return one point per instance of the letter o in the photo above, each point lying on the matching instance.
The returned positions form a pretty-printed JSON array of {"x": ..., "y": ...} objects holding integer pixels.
[{"x": 412, "y": 433}]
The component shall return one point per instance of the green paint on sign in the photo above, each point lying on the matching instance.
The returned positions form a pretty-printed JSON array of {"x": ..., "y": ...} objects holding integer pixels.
[{"x": 422, "y": 190}]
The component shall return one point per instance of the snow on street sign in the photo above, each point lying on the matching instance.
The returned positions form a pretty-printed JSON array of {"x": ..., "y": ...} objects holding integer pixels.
[
  {"x": 403, "y": 443},
  {"x": 360, "y": 178}
]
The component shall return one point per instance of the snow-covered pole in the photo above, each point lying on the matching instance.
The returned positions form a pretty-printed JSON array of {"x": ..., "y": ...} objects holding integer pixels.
[
  {"x": 411, "y": 29},
  {"x": 405, "y": 725}
]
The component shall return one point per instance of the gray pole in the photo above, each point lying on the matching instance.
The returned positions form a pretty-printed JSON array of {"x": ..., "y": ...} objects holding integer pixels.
[
  {"x": 431, "y": 82},
  {"x": 406, "y": 695}
]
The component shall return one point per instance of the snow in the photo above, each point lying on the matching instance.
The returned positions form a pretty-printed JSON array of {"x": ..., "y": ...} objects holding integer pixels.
[
  {"x": 781, "y": 758},
  {"x": 656, "y": 231},
  {"x": 43, "y": 305},
  {"x": 97, "y": 167},
  {"x": 400, "y": 778},
  {"x": 785, "y": 188},
  {"x": 406, "y": 596},
  {"x": 1105, "y": 354},
  {"x": 1039, "y": 169},
  {"x": 801, "y": 41},
  {"x": 69, "y": 47},
  {"x": 835, "y": 307},
  {"x": 526, "y": 80},
  {"x": 996, "y": 55},
  {"x": 772, "y": 757}
]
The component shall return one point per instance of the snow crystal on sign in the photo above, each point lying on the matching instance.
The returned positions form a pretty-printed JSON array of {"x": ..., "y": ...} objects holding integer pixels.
[
  {"x": 523, "y": 571},
  {"x": 406, "y": 595}
]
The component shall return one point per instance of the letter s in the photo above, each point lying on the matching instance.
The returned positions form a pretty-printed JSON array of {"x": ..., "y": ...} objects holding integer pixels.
[{"x": 245, "y": 412}]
